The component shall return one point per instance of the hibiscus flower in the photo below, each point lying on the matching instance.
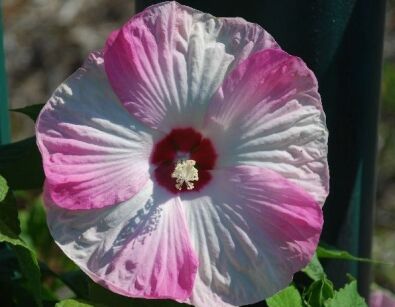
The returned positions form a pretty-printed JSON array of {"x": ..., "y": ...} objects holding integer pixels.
[{"x": 187, "y": 160}]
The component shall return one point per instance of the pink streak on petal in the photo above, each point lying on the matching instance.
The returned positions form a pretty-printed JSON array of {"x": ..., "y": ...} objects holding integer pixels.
[
  {"x": 162, "y": 262},
  {"x": 268, "y": 113},
  {"x": 94, "y": 153},
  {"x": 252, "y": 232},
  {"x": 140, "y": 248},
  {"x": 166, "y": 62},
  {"x": 270, "y": 76}
]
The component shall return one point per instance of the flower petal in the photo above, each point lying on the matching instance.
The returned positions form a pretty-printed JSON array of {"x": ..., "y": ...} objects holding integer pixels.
[
  {"x": 381, "y": 298},
  {"x": 252, "y": 231},
  {"x": 139, "y": 248},
  {"x": 94, "y": 152},
  {"x": 268, "y": 113},
  {"x": 166, "y": 62}
]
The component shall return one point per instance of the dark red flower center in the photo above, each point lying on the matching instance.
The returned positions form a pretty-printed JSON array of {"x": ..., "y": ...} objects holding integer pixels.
[{"x": 183, "y": 144}]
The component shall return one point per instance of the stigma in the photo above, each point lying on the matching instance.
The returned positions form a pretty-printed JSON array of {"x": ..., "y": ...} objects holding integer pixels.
[{"x": 184, "y": 173}]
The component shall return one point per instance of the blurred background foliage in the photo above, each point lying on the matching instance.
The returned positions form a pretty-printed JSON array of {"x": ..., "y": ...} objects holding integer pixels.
[
  {"x": 384, "y": 234},
  {"x": 46, "y": 40}
]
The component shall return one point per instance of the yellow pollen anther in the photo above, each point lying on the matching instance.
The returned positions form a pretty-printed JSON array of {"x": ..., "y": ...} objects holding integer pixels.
[{"x": 185, "y": 172}]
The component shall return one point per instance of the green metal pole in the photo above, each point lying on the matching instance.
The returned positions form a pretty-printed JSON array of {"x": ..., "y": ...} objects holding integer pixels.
[
  {"x": 4, "y": 114},
  {"x": 341, "y": 40},
  {"x": 354, "y": 81}
]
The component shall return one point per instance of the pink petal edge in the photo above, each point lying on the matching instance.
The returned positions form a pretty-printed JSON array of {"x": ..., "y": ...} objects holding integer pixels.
[
  {"x": 155, "y": 259},
  {"x": 252, "y": 231},
  {"x": 268, "y": 113},
  {"x": 91, "y": 147},
  {"x": 167, "y": 61}
]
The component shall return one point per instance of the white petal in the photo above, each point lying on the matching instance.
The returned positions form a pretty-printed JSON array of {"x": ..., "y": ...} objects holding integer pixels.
[
  {"x": 139, "y": 248},
  {"x": 166, "y": 62},
  {"x": 252, "y": 230},
  {"x": 268, "y": 113},
  {"x": 94, "y": 152}
]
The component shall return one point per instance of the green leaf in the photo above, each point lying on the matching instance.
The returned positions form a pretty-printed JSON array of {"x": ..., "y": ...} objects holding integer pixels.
[
  {"x": 77, "y": 281},
  {"x": 3, "y": 188},
  {"x": 75, "y": 303},
  {"x": 9, "y": 223},
  {"x": 48, "y": 294},
  {"x": 30, "y": 270},
  {"x": 32, "y": 111},
  {"x": 331, "y": 253},
  {"x": 9, "y": 233},
  {"x": 323, "y": 252},
  {"x": 21, "y": 166},
  {"x": 289, "y": 296},
  {"x": 318, "y": 292},
  {"x": 347, "y": 296},
  {"x": 101, "y": 295},
  {"x": 34, "y": 226},
  {"x": 28, "y": 265},
  {"x": 314, "y": 269},
  {"x": 13, "y": 290}
]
